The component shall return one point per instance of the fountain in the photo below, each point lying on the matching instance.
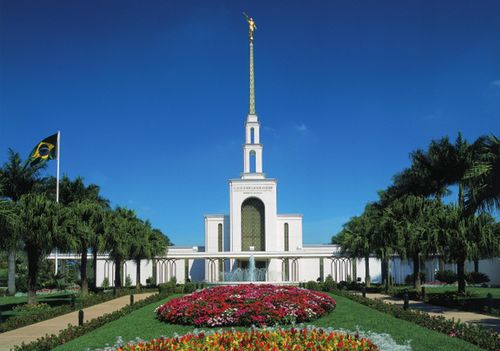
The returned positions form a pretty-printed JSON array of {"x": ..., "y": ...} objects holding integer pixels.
[
  {"x": 250, "y": 274},
  {"x": 251, "y": 269}
]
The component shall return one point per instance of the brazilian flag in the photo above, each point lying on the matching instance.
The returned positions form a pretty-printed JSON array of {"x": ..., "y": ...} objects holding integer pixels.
[{"x": 45, "y": 150}]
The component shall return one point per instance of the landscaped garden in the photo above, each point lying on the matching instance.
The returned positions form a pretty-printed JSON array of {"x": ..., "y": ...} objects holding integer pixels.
[{"x": 384, "y": 330}]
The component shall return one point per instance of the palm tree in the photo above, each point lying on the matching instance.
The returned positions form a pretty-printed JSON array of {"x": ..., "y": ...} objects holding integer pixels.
[
  {"x": 412, "y": 218},
  {"x": 483, "y": 178},
  {"x": 118, "y": 237},
  {"x": 16, "y": 181},
  {"x": 41, "y": 231},
  {"x": 486, "y": 239},
  {"x": 445, "y": 164},
  {"x": 71, "y": 191},
  {"x": 97, "y": 242},
  {"x": 83, "y": 223},
  {"x": 355, "y": 240},
  {"x": 9, "y": 225},
  {"x": 140, "y": 246},
  {"x": 88, "y": 226}
]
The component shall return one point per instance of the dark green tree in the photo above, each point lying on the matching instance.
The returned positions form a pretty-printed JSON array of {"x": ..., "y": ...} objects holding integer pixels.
[
  {"x": 42, "y": 223},
  {"x": 118, "y": 237},
  {"x": 413, "y": 220},
  {"x": 16, "y": 180}
]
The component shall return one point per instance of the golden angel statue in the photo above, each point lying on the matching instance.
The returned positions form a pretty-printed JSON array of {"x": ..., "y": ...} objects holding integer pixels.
[{"x": 251, "y": 26}]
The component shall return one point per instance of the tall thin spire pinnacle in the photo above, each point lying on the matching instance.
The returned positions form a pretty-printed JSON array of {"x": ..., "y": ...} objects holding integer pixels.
[
  {"x": 251, "y": 103},
  {"x": 251, "y": 108}
]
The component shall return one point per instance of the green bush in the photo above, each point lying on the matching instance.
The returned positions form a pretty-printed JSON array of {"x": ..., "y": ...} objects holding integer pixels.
[
  {"x": 128, "y": 281},
  {"x": 329, "y": 285},
  {"x": 312, "y": 285},
  {"x": 448, "y": 277},
  {"x": 105, "y": 283},
  {"x": 188, "y": 288},
  {"x": 168, "y": 288},
  {"x": 409, "y": 278},
  {"x": 27, "y": 309},
  {"x": 477, "y": 278}
]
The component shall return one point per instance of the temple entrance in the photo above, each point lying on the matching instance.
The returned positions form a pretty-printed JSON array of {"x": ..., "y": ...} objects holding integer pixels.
[{"x": 253, "y": 229}]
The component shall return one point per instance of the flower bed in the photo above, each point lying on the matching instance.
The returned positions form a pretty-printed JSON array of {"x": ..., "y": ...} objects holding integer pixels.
[
  {"x": 257, "y": 340},
  {"x": 246, "y": 305}
]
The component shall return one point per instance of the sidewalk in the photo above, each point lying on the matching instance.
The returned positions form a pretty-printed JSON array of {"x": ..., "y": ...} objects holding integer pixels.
[
  {"x": 54, "y": 325},
  {"x": 448, "y": 313}
]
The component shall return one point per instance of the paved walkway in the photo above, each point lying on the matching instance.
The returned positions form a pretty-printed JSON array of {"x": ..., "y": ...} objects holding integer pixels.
[
  {"x": 448, "y": 313},
  {"x": 54, "y": 325}
]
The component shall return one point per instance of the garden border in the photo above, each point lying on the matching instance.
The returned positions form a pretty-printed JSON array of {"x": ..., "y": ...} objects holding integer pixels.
[
  {"x": 25, "y": 320},
  {"x": 48, "y": 342},
  {"x": 477, "y": 335}
]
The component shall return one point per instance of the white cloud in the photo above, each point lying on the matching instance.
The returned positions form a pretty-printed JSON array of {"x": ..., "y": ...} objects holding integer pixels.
[
  {"x": 495, "y": 84},
  {"x": 301, "y": 128}
]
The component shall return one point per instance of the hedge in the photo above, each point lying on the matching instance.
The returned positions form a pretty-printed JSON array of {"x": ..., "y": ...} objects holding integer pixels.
[
  {"x": 48, "y": 342},
  {"x": 477, "y": 335},
  {"x": 42, "y": 315}
]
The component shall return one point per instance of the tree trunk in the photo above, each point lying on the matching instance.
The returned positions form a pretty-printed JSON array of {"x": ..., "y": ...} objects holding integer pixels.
[
  {"x": 11, "y": 283},
  {"x": 83, "y": 273},
  {"x": 118, "y": 274},
  {"x": 367, "y": 271},
  {"x": 94, "y": 268},
  {"x": 461, "y": 276},
  {"x": 138, "y": 274},
  {"x": 33, "y": 265},
  {"x": 385, "y": 273},
  {"x": 416, "y": 272},
  {"x": 476, "y": 266}
]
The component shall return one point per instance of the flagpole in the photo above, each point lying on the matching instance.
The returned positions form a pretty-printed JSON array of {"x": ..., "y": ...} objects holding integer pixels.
[
  {"x": 57, "y": 186},
  {"x": 57, "y": 159}
]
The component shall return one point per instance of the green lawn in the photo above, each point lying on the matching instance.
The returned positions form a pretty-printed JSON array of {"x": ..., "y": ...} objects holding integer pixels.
[{"x": 348, "y": 315}]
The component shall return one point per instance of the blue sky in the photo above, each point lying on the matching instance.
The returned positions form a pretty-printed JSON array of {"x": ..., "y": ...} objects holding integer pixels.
[{"x": 151, "y": 97}]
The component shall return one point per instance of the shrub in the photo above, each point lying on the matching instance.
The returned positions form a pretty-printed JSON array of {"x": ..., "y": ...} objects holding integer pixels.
[
  {"x": 27, "y": 309},
  {"x": 168, "y": 288},
  {"x": 246, "y": 305},
  {"x": 189, "y": 288},
  {"x": 448, "y": 277},
  {"x": 329, "y": 285},
  {"x": 128, "y": 281},
  {"x": 105, "y": 283},
  {"x": 312, "y": 285},
  {"x": 477, "y": 278},
  {"x": 409, "y": 278},
  {"x": 343, "y": 285}
]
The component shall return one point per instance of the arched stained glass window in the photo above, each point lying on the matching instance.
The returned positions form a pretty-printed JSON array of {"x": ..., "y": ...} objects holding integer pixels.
[{"x": 253, "y": 225}]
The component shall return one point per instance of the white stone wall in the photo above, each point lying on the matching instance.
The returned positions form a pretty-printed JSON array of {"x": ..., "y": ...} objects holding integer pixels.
[{"x": 242, "y": 189}]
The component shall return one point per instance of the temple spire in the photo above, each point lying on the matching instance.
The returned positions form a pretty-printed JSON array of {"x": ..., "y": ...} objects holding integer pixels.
[{"x": 251, "y": 103}]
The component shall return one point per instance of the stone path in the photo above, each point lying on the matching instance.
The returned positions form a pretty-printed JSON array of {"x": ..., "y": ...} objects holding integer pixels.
[
  {"x": 54, "y": 325},
  {"x": 448, "y": 313}
]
